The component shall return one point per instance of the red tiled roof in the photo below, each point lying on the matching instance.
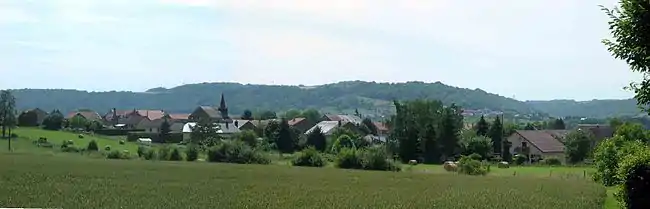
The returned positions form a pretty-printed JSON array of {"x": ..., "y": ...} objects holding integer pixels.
[
  {"x": 542, "y": 139},
  {"x": 151, "y": 114},
  {"x": 179, "y": 116},
  {"x": 295, "y": 121}
]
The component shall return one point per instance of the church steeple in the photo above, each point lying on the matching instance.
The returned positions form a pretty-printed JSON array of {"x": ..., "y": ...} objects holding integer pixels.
[{"x": 223, "y": 109}]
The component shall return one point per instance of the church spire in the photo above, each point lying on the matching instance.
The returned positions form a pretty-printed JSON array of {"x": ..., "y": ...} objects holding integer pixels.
[{"x": 223, "y": 108}]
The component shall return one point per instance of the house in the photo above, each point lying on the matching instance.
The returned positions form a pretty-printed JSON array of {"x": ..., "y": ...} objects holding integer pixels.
[
  {"x": 301, "y": 124},
  {"x": 329, "y": 127},
  {"x": 184, "y": 118},
  {"x": 153, "y": 126},
  {"x": 40, "y": 115},
  {"x": 382, "y": 129},
  {"x": 85, "y": 114},
  {"x": 219, "y": 114},
  {"x": 244, "y": 124},
  {"x": 225, "y": 129},
  {"x": 130, "y": 119},
  {"x": 598, "y": 131},
  {"x": 541, "y": 143}
]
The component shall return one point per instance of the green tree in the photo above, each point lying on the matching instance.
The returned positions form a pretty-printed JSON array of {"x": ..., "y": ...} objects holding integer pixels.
[
  {"x": 78, "y": 122},
  {"x": 633, "y": 131},
  {"x": 558, "y": 124},
  {"x": 285, "y": 140},
  {"x": 344, "y": 141},
  {"x": 53, "y": 121},
  {"x": 7, "y": 111},
  {"x": 450, "y": 126},
  {"x": 292, "y": 113},
  {"x": 430, "y": 148},
  {"x": 316, "y": 139},
  {"x": 266, "y": 115},
  {"x": 529, "y": 126},
  {"x": 496, "y": 134},
  {"x": 480, "y": 145},
  {"x": 578, "y": 145},
  {"x": 28, "y": 119},
  {"x": 249, "y": 137},
  {"x": 370, "y": 125},
  {"x": 165, "y": 132},
  {"x": 205, "y": 134},
  {"x": 311, "y": 115},
  {"x": 248, "y": 115},
  {"x": 505, "y": 153},
  {"x": 482, "y": 127},
  {"x": 271, "y": 131},
  {"x": 630, "y": 29}
]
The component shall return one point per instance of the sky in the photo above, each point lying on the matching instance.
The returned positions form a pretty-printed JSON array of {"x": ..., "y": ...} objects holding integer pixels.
[{"x": 527, "y": 50}]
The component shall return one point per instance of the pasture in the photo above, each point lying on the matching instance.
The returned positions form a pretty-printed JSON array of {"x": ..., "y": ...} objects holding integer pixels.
[
  {"x": 57, "y": 138},
  {"x": 66, "y": 181},
  {"x": 69, "y": 180}
]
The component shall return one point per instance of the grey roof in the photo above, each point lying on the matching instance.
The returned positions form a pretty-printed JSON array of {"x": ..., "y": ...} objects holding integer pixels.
[
  {"x": 345, "y": 118},
  {"x": 327, "y": 127},
  {"x": 211, "y": 111}
]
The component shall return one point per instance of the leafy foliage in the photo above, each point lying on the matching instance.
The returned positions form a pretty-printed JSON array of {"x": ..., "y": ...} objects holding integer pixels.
[
  {"x": 578, "y": 145},
  {"x": 348, "y": 159},
  {"x": 309, "y": 157},
  {"x": 480, "y": 145},
  {"x": 316, "y": 139},
  {"x": 236, "y": 152},
  {"x": 92, "y": 146},
  {"x": 482, "y": 127},
  {"x": 205, "y": 134},
  {"x": 192, "y": 153},
  {"x": 54, "y": 121},
  {"x": 469, "y": 166},
  {"x": 634, "y": 172},
  {"x": 342, "y": 142}
]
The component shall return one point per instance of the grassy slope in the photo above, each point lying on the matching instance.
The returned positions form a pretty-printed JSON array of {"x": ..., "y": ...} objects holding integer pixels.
[
  {"x": 57, "y": 138},
  {"x": 71, "y": 181},
  {"x": 74, "y": 182}
]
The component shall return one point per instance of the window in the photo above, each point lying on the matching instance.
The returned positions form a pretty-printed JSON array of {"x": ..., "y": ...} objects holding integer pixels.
[{"x": 524, "y": 144}]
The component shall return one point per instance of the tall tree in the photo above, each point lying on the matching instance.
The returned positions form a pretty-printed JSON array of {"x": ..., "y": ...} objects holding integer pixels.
[
  {"x": 292, "y": 113},
  {"x": 165, "y": 132},
  {"x": 496, "y": 134},
  {"x": 53, "y": 121},
  {"x": 311, "y": 115},
  {"x": 316, "y": 139},
  {"x": 285, "y": 139},
  {"x": 558, "y": 124},
  {"x": 482, "y": 127},
  {"x": 370, "y": 125},
  {"x": 7, "y": 110},
  {"x": 630, "y": 28},
  {"x": 266, "y": 115},
  {"x": 449, "y": 130},
  {"x": 578, "y": 145},
  {"x": 205, "y": 134},
  {"x": 248, "y": 115},
  {"x": 430, "y": 148}
]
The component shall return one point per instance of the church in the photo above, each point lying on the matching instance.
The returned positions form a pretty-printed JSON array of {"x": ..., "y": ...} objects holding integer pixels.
[{"x": 214, "y": 114}]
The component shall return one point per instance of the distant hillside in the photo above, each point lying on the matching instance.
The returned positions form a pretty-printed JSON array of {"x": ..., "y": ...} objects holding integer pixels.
[
  {"x": 593, "y": 108},
  {"x": 369, "y": 97}
]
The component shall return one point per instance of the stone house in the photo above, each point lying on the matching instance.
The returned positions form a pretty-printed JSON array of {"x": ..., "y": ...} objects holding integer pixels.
[{"x": 542, "y": 144}]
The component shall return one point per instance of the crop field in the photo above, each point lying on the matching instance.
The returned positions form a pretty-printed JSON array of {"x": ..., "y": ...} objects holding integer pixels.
[{"x": 70, "y": 181}]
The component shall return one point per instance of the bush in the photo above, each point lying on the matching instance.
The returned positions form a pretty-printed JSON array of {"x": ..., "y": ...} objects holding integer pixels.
[
  {"x": 235, "y": 151},
  {"x": 191, "y": 153},
  {"x": 69, "y": 148},
  {"x": 116, "y": 154},
  {"x": 469, "y": 166},
  {"x": 107, "y": 148},
  {"x": 375, "y": 158},
  {"x": 634, "y": 175},
  {"x": 344, "y": 141},
  {"x": 141, "y": 151},
  {"x": 309, "y": 157},
  {"x": 150, "y": 154},
  {"x": 164, "y": 152},
  {"x": 92, "y": 146},
  {"x": 520, "y": 159},
  {"x": 175, "y": 155},
  {"x": 13, "y": 136},
  {"x": 121, "y": 141},
  {"x": 475, "y": 156},
  {"x": 552, "y": 161},
  {"x": 42, "y": 140},
  {"x": 81, "y": 136},
  {"x": 348, "y": 158}
]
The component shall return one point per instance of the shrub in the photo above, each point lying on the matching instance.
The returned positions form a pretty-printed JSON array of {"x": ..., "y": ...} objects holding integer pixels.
[
  {"x": 552, "y": 161},
  {"x": 375, "y": 158},
  {"x": 150, "y": 154},
  {"x": 469, "y": 166},
  {"x": 92, "y": 146},
  {"x": 13, "y": 136},
  {"x": 344, "y": 141},
  {"x": 42, "y": 140},
  {"x": 121, "y": 141},
  {"x": 236, "y": 152},
  {"x": 69, "y": 148},
  {"x": 192, "y": 153},
  {"x": 164, "y": 152},
  {"x": 348, "y": 158},
  {"x": 116, "y": 154},
  {"x": 309, "y": 157},
  {"x": 634, "y": 175},
  {"x": 175, "y": 155},
  {"x": 475, "y": 156},
  {"x": 503, "y": 164},
  {"x": 81, "y": 136},
  {"x": 141, "y": 151},
  {"x": 520, "y": 159},
  {"x": 67, "y": 143},
  {"x": 107, "y": 148}
]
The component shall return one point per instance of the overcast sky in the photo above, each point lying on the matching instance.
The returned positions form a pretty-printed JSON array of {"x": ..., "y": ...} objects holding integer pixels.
[{"x": 533, "y": 49}]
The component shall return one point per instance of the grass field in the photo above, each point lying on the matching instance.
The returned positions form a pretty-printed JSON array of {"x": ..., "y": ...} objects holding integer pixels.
[
  {"x": 57, "y": 138},
  {"x": 67, "y": 180}
]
